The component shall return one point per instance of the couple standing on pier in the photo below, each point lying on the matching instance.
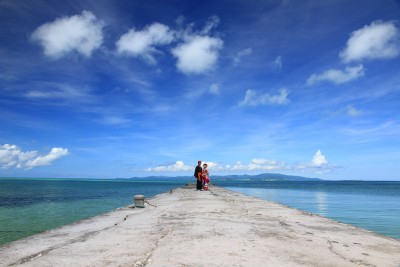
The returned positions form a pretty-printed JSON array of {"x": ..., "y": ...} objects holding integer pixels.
[{"x": 202, "y": 176}]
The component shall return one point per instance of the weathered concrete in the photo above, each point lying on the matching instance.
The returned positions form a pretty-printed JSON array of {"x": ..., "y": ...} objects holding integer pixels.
[{"x": 209, "y": 228}]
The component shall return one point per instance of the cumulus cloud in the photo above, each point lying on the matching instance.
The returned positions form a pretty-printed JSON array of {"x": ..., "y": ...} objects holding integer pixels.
[
  {"x": 319, "y": 159},
  {"x": 13, "y": 156},
  {"x": 198, "y": 54},
  {"x": 252, "y": 98},
  {"x": 81, "y": 33},
  {"x": 253, "y": 165},
  {"x": 242, "y": 53},
  {"x": 143, "y": 43},
  {"x": 337, "y": 76},
  {"x": 319, "y": 164},
  {"x": 178, "y": 166},
  {"x": 379, "y": 40}
]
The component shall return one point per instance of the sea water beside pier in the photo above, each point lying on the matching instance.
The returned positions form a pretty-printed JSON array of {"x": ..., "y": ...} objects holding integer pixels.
[
  {"x": 29, "y": 206},
  {"x": 371, "y": 205}
]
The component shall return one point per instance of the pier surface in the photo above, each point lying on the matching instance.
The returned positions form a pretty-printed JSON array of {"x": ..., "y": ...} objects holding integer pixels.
[{"x": 185, "y": 227}]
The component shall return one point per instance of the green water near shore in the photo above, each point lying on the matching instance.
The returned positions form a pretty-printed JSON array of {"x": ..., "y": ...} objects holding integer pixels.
[{"x": 30, "y": 206}]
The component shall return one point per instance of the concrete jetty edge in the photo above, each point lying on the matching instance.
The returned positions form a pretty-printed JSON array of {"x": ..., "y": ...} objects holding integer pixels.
[{"x": 219, "y": 227}]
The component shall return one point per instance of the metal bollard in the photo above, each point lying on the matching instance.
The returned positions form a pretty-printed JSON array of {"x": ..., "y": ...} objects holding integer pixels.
[{"x": 138, "y": 200}]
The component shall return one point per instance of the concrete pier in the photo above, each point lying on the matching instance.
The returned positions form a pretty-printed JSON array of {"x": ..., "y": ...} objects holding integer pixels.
[{"x": 219, "y": 227}]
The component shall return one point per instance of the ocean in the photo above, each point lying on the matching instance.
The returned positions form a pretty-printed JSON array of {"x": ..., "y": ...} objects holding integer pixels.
[
  {"x": 371, "y": 205},
  {"x": 30, "y": 206}
]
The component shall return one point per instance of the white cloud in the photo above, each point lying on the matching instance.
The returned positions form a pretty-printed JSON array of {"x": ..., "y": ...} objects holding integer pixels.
[
  {"x": 143, "y": 43},
  {"x": 178, "y": 166},
  {"x": 319, "y": 159},
  {"x": 81, "y": 33},
  {"x": 252, "y": 98},
  {"x": 242, "y": 53},
  {"x": 198, "y": 54},
  {"x": 337, "y": 76},
  {"x": 258, "y": 165},
  {"x": 55, "y": 153},
  {"x": 254, "y": 165},
  {"x": 13, "y": 156},
  {"x": 379, "y": 40},
  {"x": 57, "y": 91},
  {"x": 352, "y": 111},
  {"x": 319, "y": 164}
]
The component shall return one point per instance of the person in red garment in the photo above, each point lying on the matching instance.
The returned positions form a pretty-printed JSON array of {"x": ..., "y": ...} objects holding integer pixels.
[{"x": 205, "y": 176}]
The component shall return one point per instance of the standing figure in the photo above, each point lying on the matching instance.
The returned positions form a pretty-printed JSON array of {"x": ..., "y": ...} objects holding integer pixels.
[
  {"x": 197, "y": 175},
  {"x": 205, "y": 177}
]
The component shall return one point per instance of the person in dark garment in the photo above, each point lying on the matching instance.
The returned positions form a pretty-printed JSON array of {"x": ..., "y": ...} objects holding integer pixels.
[{"x": 197, "y": 175}]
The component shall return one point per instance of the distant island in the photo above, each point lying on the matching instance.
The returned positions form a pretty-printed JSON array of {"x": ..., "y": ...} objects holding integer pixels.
[{"x": 262, "y": 176}]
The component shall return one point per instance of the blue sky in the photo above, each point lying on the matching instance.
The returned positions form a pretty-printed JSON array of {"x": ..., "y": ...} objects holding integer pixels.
[{"x": 105, "y": 88}]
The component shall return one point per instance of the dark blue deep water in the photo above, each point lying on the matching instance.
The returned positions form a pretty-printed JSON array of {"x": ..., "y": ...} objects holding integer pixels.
[{"x": 29, "y": 206}]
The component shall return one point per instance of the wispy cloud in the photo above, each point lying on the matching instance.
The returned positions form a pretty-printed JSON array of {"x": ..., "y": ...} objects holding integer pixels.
[
  {"x": 242, "y": 53},
  {"x": 258, "y": 165},
  {"x": 81, "y": 33},
  {"x": 13, "y": 156},
  {"x": 143, "y": 43},
  {"x": 383, "y": 129},
  {"x": 277, "y": 64},
  {"x": 61, "y": 91},
  {"x": 379, "y": 40},
  {"x": 352, "y": 111},
  {"x": 253, "y": 98},
  {"x": 337, "y": 76},
  {"x": 211, "y": 24},
  {"x": 214, "y": 89}
]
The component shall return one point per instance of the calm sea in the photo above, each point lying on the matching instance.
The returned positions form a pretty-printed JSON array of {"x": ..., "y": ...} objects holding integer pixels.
[
  {"x": 29, "y": 206},
  {"x": 373, "y": 206}
]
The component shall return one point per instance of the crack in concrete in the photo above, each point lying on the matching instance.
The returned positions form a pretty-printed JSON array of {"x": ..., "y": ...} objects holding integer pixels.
[
  {"x": 81, "y": 238},
  {"x": 147, "y": 260}
]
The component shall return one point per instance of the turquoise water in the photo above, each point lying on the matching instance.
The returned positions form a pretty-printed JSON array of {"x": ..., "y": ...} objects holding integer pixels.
[
  {"x": 29, "y": 206},
  {"x": 370, "y": 205}
]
